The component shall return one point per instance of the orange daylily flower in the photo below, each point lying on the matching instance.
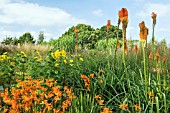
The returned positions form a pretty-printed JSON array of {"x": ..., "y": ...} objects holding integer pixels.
[
  {"x": 97, "y": 97},
  {"x": 101, "y": 71},
  {"x": 100, "y": 102},
  {"x": 150, "y": 94},
  {"x": 86, "y": 81},
  {"x": 92, "y": 75},
  {"x": 137, "y": 107},
  {"x": 123, "y": 106},
  {"x": 106, "y": 110}
]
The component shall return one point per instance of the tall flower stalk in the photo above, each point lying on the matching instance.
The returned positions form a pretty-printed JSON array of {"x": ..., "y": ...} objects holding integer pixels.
[
  {"x": 107, "y": 31},
  {"x": 76, "y": 33},
  {"x": 143, "y": 37},
  {"x": 123, "y": 16},
  {"x": 153, "y": 29},
  {"x": 117, "y": 41}
]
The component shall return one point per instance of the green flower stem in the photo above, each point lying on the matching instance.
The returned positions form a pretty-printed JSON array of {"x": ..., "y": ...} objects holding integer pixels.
[
  {"x": 144, "y": 66},
  {"x": 123, "y": 58},
  {"x": 153, "y": 37},
  {"x": 116, "y": 44},
  {"x": 144, "y": 61}
]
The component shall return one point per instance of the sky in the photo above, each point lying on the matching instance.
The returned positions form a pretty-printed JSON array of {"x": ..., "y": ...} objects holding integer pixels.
[{"x": 54, "y": 17}]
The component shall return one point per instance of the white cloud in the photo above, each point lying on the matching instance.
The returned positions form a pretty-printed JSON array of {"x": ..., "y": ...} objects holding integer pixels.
[
  {"x": 161, "y": 10},
  {"x": 98, "y": 12},
  {"x": 21, "y": 12}
]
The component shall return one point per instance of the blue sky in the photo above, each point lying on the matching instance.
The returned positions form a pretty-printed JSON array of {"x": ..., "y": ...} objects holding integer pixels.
[{"x": 54, "y": 17}]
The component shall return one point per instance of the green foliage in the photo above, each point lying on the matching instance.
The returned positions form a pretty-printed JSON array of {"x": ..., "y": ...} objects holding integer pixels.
[
  {"x": 88, "y": 36},
  {"x": 65, "y": 43},
  {"x": 10, "y": 41},
  {"x": 40, "y": 38},
  {"x": 112, "y": 43},
  {"x": 110, "y": 83},
  {"x": 26, "y": 38},
  {"x": 112, "y": 32}
]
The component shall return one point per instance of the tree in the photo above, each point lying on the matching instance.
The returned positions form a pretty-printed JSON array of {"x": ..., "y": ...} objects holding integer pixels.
[
  {"x": 26, "y": 38},
  {"x": 10, "y": 41},
  {"x": 40, "y": 38},
  {"x": 88, "y": 36},
  {"x": 112, "y": 32},
  {"x": 7, "y": 41}
]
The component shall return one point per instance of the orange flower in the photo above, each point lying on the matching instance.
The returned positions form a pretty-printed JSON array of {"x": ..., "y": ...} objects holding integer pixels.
[
  {"x": 150, "y": 94},
  {"x": 92, "y": 75},
  {"x": 154, "y": 17},
  {"x": 136, "y": 50},
  {"x": 5, "y": 110},
  {"x": 108, "y": 24},
  {"x": 100, "y": 102},
  {"x": 126, "y": 47},
  {"x": 76, "y": 48},
  {"x": 143, "y": 31},
  {"x": 86, "y": 81},
  {"x": 97, "y": 97},
  {"x": 75, "y": 30},
  {"x": 164, "y": 58},
  {"x": 150, "y": 55},
  {"x": 118, "y": 44},
  {"x": 157, "y": 56},
  {"x": 106, "y": 110},
  {"x": 123, "y": 14},
  {"x": 101, "y": 81},
  {"x": 123, "y": 106},
  {"x": 137, "y": 107},
  {"x": 101, "y": 71}
]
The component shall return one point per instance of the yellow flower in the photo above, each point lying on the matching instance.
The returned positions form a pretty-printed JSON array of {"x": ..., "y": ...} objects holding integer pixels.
[
  {"x": 57, "y": 54},
  {"x": 35, "y": 57},
  {"x": 65, "y": 61},
  {"x": 71, "y": 60},
  {"x": 23, "y": 53},
  {"x": 12, "y": 63},
  {"x": 5, "y": 53},
  {"x": 63, "y": 53},
  {"x": 81, "y": 59},
  {"x": 56, "y": 65}
]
